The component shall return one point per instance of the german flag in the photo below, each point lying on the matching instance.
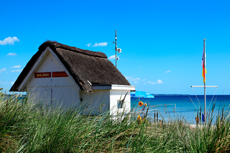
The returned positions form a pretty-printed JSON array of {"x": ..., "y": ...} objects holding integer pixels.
[{"x": 204, "y": 70}]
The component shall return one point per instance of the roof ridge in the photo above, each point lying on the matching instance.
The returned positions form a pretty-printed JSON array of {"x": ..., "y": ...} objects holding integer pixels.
[{"x": 75, "y": 49}]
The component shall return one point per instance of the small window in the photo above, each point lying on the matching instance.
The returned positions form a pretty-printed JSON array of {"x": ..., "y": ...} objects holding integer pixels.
[{"x": 119, "y": 104}]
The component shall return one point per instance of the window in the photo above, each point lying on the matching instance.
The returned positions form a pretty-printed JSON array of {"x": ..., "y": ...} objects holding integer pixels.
[{"x": 119, "y": 104}]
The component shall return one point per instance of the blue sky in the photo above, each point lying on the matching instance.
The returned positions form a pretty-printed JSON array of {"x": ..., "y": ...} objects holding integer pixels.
[{"x": 161, "y": 41}]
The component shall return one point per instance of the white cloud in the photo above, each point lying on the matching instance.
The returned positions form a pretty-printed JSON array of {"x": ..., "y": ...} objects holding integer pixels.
[
  {"x": 2, "y": 70},
  {"x": 11, "y": 54},
  {"x": 111, "y": 57},
  {"x": 132, "y": 79},
  {"x": 100, "y": 44},
  {"x": 12, "y": 83},
  {"x": 16, "y": 66},
  {"x": 154, "y": 83},
  {"x": 159, "y": 82},
  {"x": 16, "y": 71},
  {"x": 89, "y": 44},
  {"x": 168, "y": 71},
  {"x": 137, "y": 80},
  {"x": 9, "y": 40}
]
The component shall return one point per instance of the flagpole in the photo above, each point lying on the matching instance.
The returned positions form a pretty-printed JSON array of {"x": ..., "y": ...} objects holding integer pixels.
[
  {"x": 204, "y": 102},
  {"x": 204, "y": 83},
  {"x": 204, "y": 80}
]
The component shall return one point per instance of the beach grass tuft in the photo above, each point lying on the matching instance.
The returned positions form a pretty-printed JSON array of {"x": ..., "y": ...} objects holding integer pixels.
[{"x": 26, "y": 127}]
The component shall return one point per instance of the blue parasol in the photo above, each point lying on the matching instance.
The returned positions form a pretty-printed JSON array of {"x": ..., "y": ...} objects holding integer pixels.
[{"x": 141, "y": 94}]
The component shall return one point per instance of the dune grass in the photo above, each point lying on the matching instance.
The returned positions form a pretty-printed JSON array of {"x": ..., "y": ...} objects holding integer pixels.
[{"x": 25, "y": 127}]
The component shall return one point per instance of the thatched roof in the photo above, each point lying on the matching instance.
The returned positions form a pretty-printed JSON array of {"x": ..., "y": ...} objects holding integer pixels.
[{"x": 82, "y": 65}]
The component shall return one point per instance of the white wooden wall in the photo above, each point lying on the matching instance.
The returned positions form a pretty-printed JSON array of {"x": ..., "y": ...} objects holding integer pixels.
[
  {"x": 58, "y": 90},
  {"x": 115, "y": 96},
  {"x": 103, "y": 100},
  {"x": 49, "y": 64},
  {"x": 97, "y": 102}
]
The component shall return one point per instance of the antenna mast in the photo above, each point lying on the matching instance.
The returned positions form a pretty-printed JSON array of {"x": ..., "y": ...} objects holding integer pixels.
[{"x": 116, "y": 48}]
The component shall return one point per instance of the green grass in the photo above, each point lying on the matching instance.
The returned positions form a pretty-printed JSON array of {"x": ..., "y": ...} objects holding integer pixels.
[{"x": 28, "y": 128}]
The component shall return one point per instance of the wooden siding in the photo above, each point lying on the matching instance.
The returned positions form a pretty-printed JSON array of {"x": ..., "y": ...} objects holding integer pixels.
[
  {"x": 97, "y": 102},
  {"x": 49, "y": 64},
  {"x": 115, "y": 96},
  {"x": 58, "y": 91}
]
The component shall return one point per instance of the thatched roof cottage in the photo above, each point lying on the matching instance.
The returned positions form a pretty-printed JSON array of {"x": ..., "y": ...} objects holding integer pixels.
[{"x": 62, "y": 74}]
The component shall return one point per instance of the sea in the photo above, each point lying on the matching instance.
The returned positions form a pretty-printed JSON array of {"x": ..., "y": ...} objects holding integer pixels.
[{"x": 184, "y": 107}]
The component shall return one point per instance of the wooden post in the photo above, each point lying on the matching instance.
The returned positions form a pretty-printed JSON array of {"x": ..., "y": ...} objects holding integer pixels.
[{"x": 157, "y": 116}]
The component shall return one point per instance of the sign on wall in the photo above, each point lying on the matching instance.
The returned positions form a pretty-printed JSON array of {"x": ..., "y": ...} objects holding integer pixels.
[
  {"x": 48, "y": 74},
  {"x": 43, "y": 75},
  {"x": 59, "y": 74}
]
